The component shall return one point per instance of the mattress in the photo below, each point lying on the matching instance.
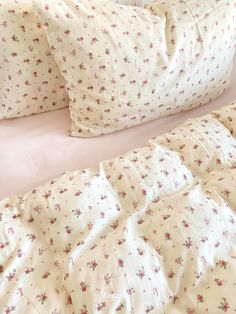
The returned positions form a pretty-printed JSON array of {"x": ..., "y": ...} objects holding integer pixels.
[{"x": 38, "y": 148}]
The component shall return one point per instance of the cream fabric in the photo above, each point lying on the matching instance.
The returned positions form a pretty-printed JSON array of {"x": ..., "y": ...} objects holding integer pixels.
[
  {"x": 227, "y": 116},
  {"x": 152, "y": 231},
  {"x": 138, "y": 3},
  {"x": 30, "y": 81},
  {"x": 127, "y": 65}
]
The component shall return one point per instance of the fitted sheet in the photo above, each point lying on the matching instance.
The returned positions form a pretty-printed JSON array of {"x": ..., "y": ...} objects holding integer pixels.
[{"x": 38, "y": 148}]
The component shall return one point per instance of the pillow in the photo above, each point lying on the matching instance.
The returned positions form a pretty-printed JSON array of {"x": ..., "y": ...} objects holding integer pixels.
[
  {"x": 126, "y": 65},
  {"x": 30, "y": 79}
]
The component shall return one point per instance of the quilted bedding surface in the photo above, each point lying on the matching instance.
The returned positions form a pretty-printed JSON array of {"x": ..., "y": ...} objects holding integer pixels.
[{"x": 152, "y": 231}]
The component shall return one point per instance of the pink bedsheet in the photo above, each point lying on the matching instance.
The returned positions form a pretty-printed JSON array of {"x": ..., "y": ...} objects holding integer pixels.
[{"x": 38, "y": 148}]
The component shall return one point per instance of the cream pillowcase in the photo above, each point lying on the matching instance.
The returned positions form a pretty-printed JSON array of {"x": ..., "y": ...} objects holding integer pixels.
[
  {"x": 126, "y": 65},
  {"x": 30, "y": 79}
]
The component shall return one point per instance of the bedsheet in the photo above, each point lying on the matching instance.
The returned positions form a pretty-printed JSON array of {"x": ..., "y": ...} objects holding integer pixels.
[
  {"x": 38, "y": 148},
  {"x": 152, "y": 231}
]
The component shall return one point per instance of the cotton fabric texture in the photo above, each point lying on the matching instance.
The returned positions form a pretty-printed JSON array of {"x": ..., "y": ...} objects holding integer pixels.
[
  {"x": 127, "y": 65},
  {"x": 30, "y": 81},
  {"x": 152, "y": 231}
]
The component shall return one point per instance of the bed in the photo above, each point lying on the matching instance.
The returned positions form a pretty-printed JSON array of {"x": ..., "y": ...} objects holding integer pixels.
[
  {"x": 35, "y": 150},
  {"x": 151, "y": 231},
  {"x": 96, "y": 219}
]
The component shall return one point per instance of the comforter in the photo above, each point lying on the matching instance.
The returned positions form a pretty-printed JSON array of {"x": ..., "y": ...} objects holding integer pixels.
[{"x": 152, "y": 231}]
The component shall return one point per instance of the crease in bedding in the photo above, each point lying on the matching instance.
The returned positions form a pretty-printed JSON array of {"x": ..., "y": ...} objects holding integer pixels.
[{"x": 151, "y": 231}]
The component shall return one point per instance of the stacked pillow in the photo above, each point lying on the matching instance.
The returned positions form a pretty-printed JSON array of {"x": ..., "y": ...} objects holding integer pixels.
[
  {"x": 125, "y": 65},
  {"x": 30, "y": 79}
]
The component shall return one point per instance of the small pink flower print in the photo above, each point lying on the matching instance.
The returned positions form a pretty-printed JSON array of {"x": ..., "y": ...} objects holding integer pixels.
[
  {"x": 218, "y": 161},
  {"x": 20, "y": 292},
  {"x": 190, "y": 311},
  {"x": 29, "y": 270},
  {"x": 130, "y": 291},
  {"x": 122, "y": 194},
  {"x": 155, "y": 291},
  {"x": 93, "y": 264},
  {"x": 165, "y": 217},
  {"x": 80, "y": 243},
  {"x": 120, "y": 307},
  {"x": 45, "y": 275},
  {"x": 107, "y": 279},
  {"x": 198, "y": 162},
  {"x": 222, "y": 263},
  {"x": 141, "y": 273},
  {"x": 167, "y": 236},
  {"x": 42, "y": 298},
  {"x": 140, "y": 252},
  {"x": 115, "y": 224},
  {"x": 69, "y": 300},
  {"x": 185, "y": 223},
  {"x": 9, "y": 309},
  {"x": 145, "y": 238},
  {"x": 174, "y": 299},
  {"x": 84, "y": 310},
  {"x": 140, "y": 221},
  {"x": 204, "y": 239},
  {"x": 135, "y": 204},
  {"x": 53, "y": 220},
  {"x": 224, "y": 305},
  {"x": 68, "y": 229},
  {"x": 226, "y": 192},
  {"x": 149, "y": 309},
  {"x": 77, "y": 212},
  {"x": 101, "y": 306},
  {"x": 120, "y": 262},
  {"x": 25, "y": 14},
  {"x": 78, "y": 193},
  {"x": 171, "y": 274},
  {"x": 219, "y": 282},
  {"x": 67, "y": 250},
  {"x": 94, "y": 40},
  {"x": 11, "y": 275},
  {"x": 15, "y": 216},
  {"x": 83, "y": 286},
  {"x": 47, "y": 195},
  {"x": 37, "y": 209},
  {"x": 188, "y": 243},
  {"x": 200, "y": 298},
  {"x": 3, "y": 245},
  {"x": 120, "y": 241},
  {"x": 179, "y": 261}
]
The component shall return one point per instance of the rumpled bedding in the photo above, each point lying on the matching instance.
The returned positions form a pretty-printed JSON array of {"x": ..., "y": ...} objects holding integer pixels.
[{"x": 152, "y": 231}]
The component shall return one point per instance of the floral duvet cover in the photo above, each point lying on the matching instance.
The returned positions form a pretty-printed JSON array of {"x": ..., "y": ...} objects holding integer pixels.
[{"x": 152, "y": 231}]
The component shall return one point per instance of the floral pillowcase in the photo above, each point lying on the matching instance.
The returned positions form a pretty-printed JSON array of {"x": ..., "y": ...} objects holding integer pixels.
[
  {"x": 127, "y": 65},
  {"x": 30, "y": 79}
]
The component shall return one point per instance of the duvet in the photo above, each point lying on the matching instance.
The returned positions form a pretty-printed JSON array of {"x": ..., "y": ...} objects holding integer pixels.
[{"x": 152, "y": 231}]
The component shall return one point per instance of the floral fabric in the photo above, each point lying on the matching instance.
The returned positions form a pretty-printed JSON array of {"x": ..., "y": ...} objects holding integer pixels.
[
  {"x": 127, "y": 65},
  {"x": 228, "y": 118},
  {"x": 152, "y": 231},
  {"x": 30, "y": 79}
]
